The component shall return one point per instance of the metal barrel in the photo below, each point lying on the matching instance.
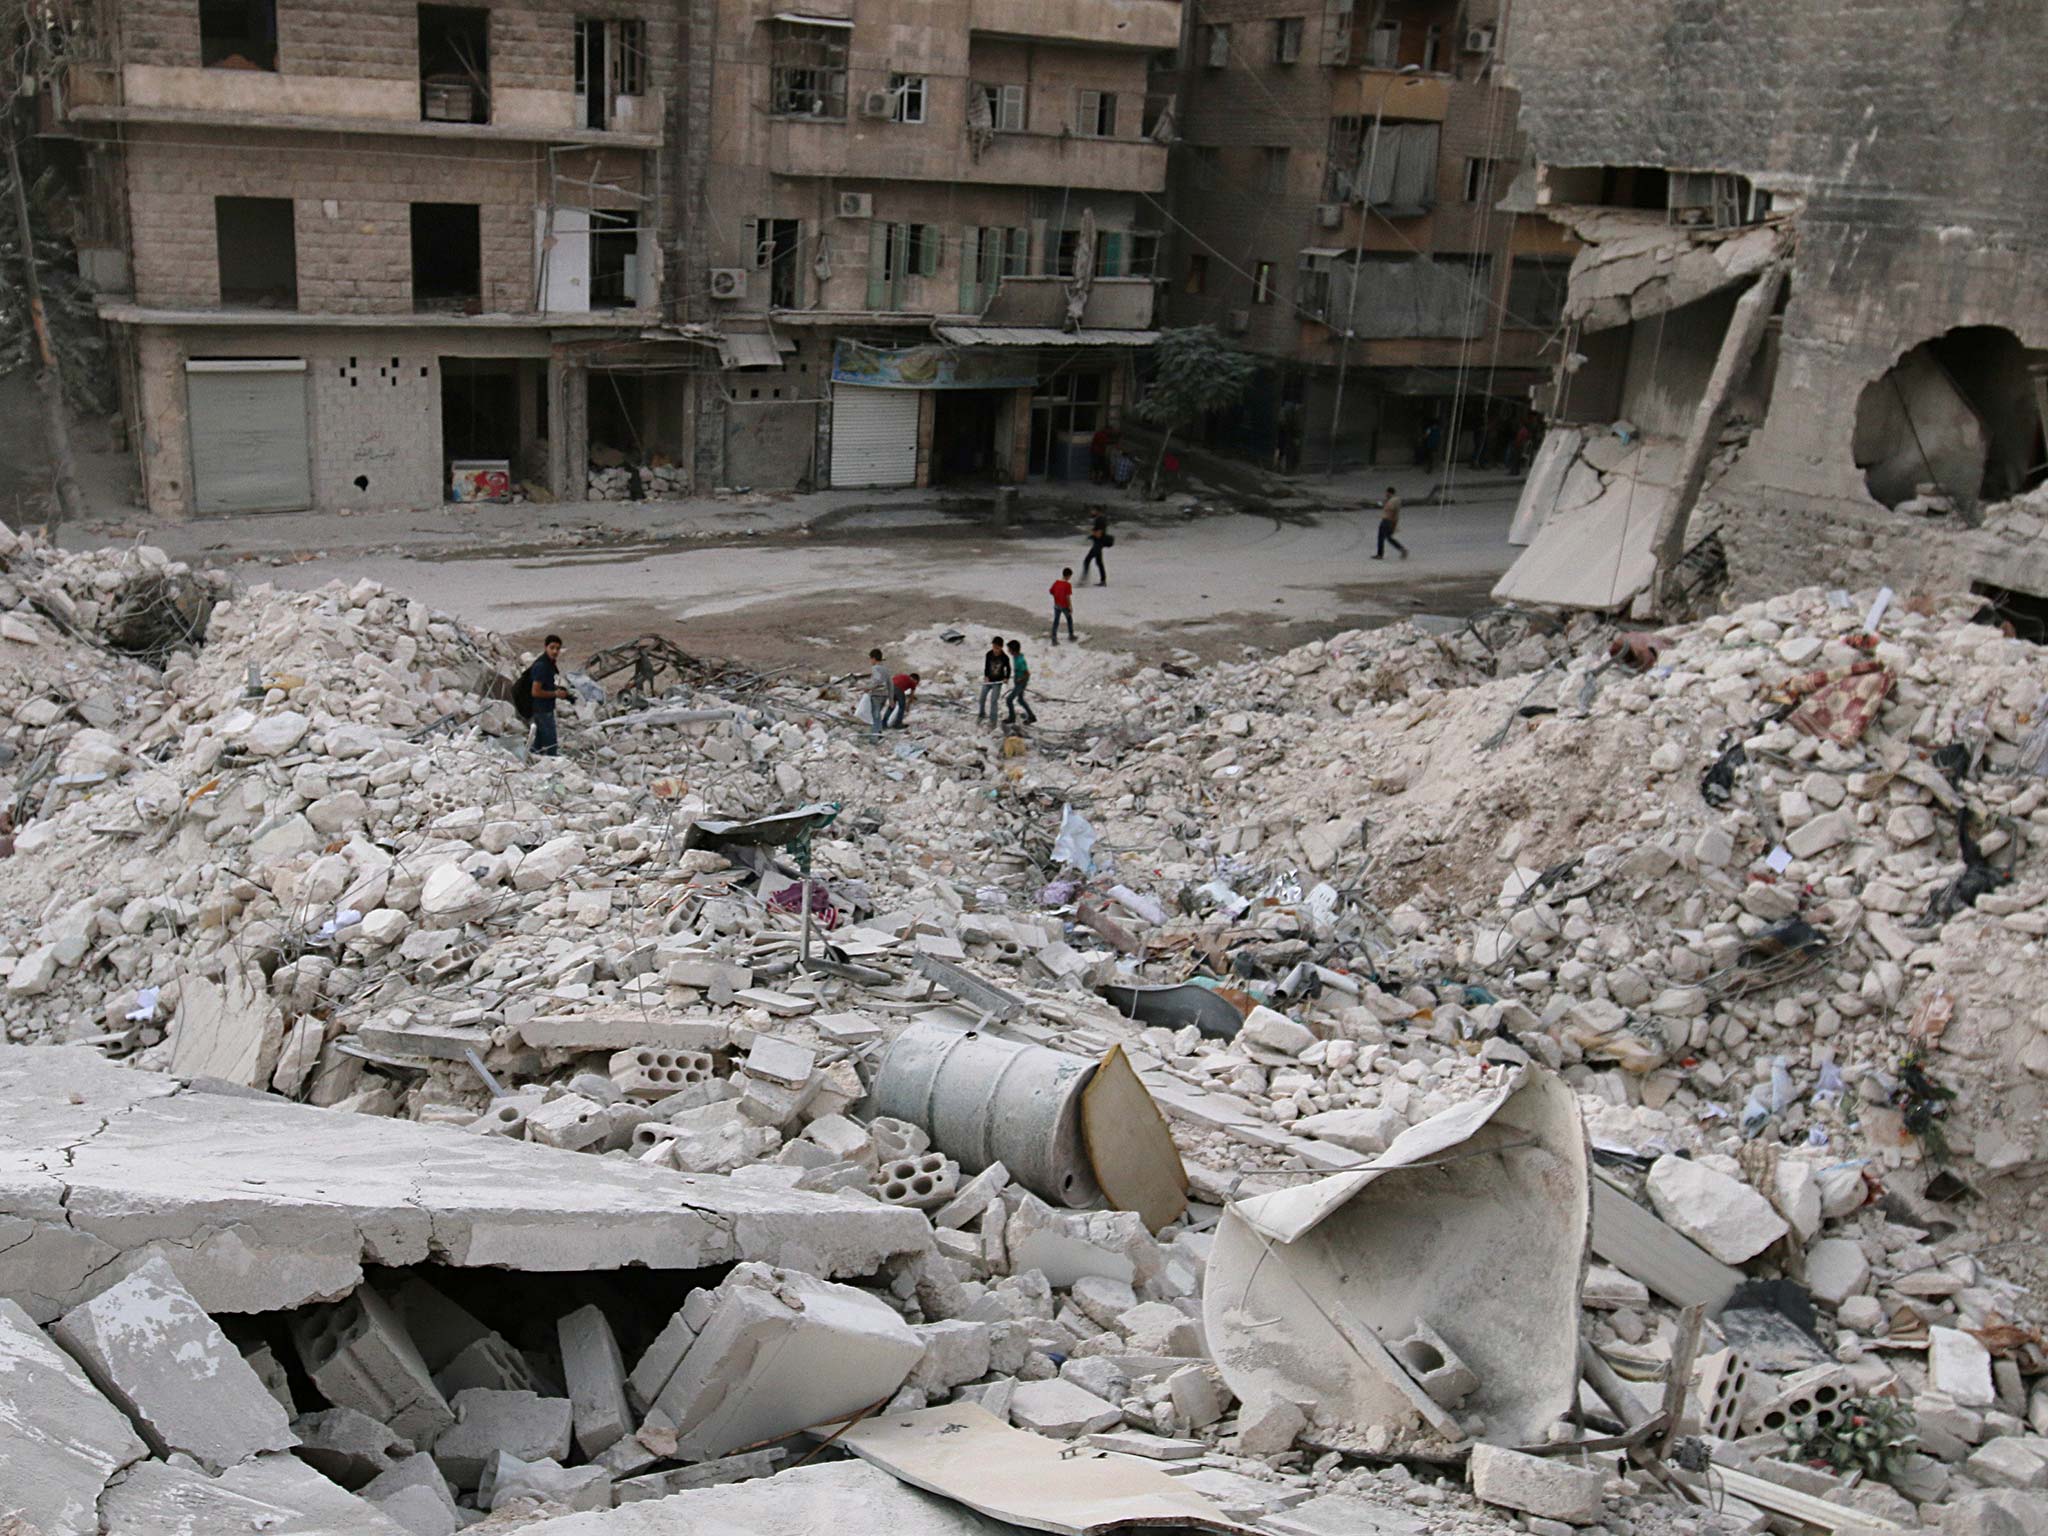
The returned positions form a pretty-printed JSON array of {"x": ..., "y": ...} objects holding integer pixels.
[{"x": 985, "y": 1100}]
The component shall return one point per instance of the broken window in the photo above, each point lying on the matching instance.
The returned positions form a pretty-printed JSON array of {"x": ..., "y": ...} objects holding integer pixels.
[
  {"x": 455, "y": 64},
  {"x": 906, "y": 94},
  {"x": 1536, "y": 291},
  {"x": 895, "y": 251},
  {"x": 1095, "y": 114},
  {"x": 1144, "y": 258},
  {"x": 807, "y": 70},
  {"x": 447, "y": 257},
  {"x": 258, "y": 249},
  {"x": 1287, "y": 40},
  {"x": 1481, "y": 176},
  {"x": 238, "y": 34},
  {"x": 1064, "y": 251},
  {"x": 1216, "y": 47},
  {"x": 778, "y": 244},
  {"x": 611, "y": 64},
  {"x": 1396, "y": 160},
  {"x": 1005, "y": 107},
  {"x": 614, "y": 259},
  {"x": 1955, "y": 423},
  {"x": 1714, "y": 199}
]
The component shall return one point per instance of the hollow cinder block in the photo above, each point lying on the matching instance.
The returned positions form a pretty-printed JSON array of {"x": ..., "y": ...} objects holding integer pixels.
[{"x": 1437, "y": 1368}]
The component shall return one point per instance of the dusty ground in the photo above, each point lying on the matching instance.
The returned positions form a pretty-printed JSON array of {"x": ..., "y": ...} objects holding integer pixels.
[{"x": 793, "y": 580}]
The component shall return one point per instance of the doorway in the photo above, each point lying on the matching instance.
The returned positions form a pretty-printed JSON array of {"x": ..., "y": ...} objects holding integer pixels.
[
  {"x": 480, "y": 424},
  {"x": 964, "y": 435},
  {"x": 1066, "y": 409}
]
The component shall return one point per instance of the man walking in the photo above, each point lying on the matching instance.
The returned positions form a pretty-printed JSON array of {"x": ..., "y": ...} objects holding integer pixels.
[
  {"x": 1020, "y": 679},
  {"x": 995, "y": 671},
  {"x": 1390, "y": 524},
  {"x": 1063, "y": 603},
  {"x": 543, "y": 687},
  {"x": 1098, "y": 541},
  {"x": 901, "y": 687},
  {"x": 878, "y": 694}
]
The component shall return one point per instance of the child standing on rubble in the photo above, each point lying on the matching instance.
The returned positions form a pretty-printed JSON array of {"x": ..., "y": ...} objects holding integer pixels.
[
  {"x": 1020, "y": 679},
  {"x": 878, "y": 695},
  {"x": 995, "y": 671}
]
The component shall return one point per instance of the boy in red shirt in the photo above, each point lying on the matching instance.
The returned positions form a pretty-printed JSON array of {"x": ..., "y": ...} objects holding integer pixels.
[
  {"x": 902, "y": 687},
  {"x": 1063, "y": 604}
]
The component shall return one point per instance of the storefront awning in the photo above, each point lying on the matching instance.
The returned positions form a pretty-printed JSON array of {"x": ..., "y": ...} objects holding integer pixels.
[
  {"x": 751, "y": 349},
  {"x": 1038, "y": 336}
]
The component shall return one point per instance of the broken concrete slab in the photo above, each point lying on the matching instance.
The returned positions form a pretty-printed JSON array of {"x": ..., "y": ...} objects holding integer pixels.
[
  {"x": 1722, "y": 1214},
  {"x": 521, "y": 1424},
  {"x": 779, "y": 1351},
  {"x": 595, "y": 1374},
  {"x": 966, "y": 1454},
  {"x": 1959, "y": 1368},
  {"x": 348, "y": 1447},
  {"x": 623, "y": 1031},
  {"x": 150, "y": 1347},
  {"x": 1362, "y": 1257},
  {"x": 229, "y": 1029},
  {"x": 1545, "y": 1486},
  {"x": 800, "y": 1502},
  {"x": 1060, "y": 1410},
  {"x": 415, "y": 1494},
  {"x": 62, "y": 1439},
  {"x": 277, "y": 1495},
  {"x": 261, "y": 1205}
]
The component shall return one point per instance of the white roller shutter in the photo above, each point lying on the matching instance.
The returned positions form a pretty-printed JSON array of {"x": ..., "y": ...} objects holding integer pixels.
[
  {"x": 874, "y": 436},
  {"x": 248, "y": 422}
]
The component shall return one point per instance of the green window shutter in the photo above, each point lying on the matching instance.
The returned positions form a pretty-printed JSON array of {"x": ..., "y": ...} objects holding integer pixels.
[
  {"x": 970, "y": 271},
  {"x": 899, "y": 264},
  {"x": 878, "y": 265},
  {"x": 1020, "y": 250},
  {"x": 1112, "y": 255},
  {"x": 929, "y": 249}
]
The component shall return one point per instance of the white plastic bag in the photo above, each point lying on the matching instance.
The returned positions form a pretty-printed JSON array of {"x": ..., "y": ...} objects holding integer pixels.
[{"x": 1076, "y": 843}]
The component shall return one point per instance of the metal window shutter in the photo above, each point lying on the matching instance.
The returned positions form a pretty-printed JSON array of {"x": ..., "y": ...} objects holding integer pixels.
[
  {"x": 874, "y": 436},
  {"x": 248, "y": 423}
]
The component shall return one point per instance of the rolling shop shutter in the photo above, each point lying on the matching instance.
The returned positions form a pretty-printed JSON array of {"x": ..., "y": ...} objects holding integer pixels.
[
  {"x": 874, "y": 436},
  {"x": 248, "y": 421}
]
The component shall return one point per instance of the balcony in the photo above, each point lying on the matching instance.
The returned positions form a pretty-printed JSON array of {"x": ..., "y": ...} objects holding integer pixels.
[
  {"x": 1149, "y": 24},
  {"x": 249, "y": 98},
  {"x": 869, "y": 151}
]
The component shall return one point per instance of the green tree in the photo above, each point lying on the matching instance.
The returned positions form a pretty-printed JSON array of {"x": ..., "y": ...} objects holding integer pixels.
[{"x": 1196, "y": 372}]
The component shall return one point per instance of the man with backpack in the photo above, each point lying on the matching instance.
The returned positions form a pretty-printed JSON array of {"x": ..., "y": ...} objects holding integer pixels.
[
  {"x": 1099, "y": 539},
  {"x": 534, "y": 695}
]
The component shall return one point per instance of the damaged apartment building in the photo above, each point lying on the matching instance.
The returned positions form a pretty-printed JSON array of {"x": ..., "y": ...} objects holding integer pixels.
[
  {"x": 369, "y": 255},
  {"x": 1809, "y": 315},
  {"x": 388, "y": 254},
  {"x": 881, "y": 170},
  {"x": 1337, "y": 194}
]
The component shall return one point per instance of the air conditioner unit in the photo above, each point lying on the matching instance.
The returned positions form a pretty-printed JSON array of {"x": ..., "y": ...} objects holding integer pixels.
[
  {"x": 1239, "y": 322},
  {"x": 1479, "y": 40},
  {"x": 1329, "y": 215},
  {"x": 856, "y": 205},
  {"x": 728, "y": 282},
  {"x": 878, "y": 104}
]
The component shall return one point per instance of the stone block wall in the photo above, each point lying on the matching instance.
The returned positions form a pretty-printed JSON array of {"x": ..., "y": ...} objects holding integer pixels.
[{"x": 352, "y": 212}]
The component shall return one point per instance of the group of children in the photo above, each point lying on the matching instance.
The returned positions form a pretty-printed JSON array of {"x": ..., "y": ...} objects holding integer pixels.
[{"x": 889, "y": 694}]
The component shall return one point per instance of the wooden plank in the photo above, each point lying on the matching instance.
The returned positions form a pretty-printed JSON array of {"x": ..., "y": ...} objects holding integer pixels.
[
  {"x": 1641, "y": 1245},
  {"x": 1779, "y": 1500}
]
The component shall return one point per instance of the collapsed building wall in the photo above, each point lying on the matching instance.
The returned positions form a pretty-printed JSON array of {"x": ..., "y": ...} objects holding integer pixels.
[{"x": 1893, "y": 152}]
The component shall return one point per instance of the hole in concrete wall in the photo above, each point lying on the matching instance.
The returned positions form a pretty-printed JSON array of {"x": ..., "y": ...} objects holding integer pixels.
[
  {"x": 2021, "y": 614},
  {"x": 447, "y": 256},
  {"x": 257, "y": 250},
  {"x": 362, "y": 482},
  {"x": 238, "y": 34},
  {"x": 1962, "y": 413}
]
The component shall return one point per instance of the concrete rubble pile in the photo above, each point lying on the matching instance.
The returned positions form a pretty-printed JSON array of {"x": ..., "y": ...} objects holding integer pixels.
[{"x": 1617, "y": 1058}]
